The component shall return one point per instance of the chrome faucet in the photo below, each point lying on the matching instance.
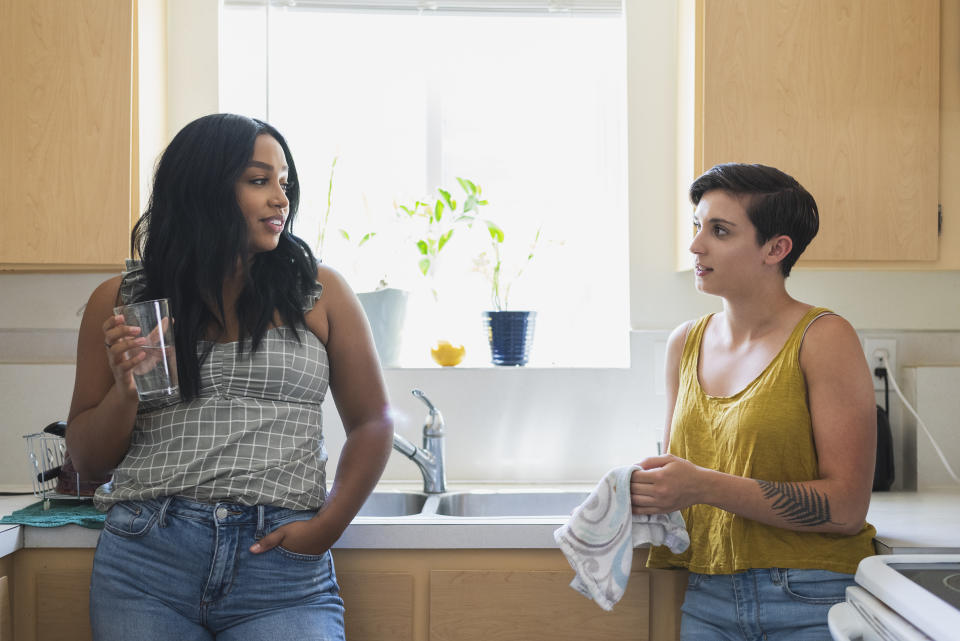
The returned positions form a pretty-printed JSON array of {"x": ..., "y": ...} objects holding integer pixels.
[{"x": 428, "y": 458}]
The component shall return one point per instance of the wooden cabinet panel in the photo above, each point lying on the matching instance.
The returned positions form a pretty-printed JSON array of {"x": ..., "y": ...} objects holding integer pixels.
[
  {"x": 530, "y": 606},
  {"x": 52, "y": 594},
  {"x": 843, "y": 95},
  {"x": 66, "y": 132},
  {"x": 379, "y": 605},
  {"x": 6, "y": 616},
  {"x": 63, "y": 605}
]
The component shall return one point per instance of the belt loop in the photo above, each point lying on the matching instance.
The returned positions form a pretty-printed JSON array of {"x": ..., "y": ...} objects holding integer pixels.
[
  {"x": 775, "y": 576},
  {"x": 260, "y": 521},
  {"x": 163, "y": 511}
]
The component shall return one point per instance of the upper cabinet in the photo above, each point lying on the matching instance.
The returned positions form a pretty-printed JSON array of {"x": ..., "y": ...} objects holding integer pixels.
[
  {"x": 842, "y": 94},
  {"x": 66, "y": 133}
]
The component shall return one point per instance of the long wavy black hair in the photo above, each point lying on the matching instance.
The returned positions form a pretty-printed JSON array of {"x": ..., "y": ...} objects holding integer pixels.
[{"x": 193, "y": 237}]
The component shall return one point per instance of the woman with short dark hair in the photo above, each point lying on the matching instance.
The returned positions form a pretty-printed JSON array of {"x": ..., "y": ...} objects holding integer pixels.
[{"x": 771, "y": 425}]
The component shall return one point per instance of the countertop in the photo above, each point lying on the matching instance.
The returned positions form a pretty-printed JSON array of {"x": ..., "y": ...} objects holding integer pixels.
[{"x": 906, "y": 522}]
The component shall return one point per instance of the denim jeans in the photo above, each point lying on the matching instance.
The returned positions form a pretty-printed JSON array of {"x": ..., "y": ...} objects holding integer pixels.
[
  {"x": 175, "y": 569},
  {"x": 771, "y": 604}
]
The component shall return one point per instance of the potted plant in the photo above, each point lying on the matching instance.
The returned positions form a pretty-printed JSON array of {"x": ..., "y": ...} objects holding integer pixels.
[{"x": 509, "y": 332}]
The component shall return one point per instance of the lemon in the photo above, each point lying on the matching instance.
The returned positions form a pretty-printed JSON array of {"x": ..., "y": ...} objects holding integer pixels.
[{"x": 447, "y": 354}]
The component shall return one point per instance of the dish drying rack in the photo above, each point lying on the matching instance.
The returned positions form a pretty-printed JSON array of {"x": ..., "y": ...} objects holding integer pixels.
[{"x": 45, "y": 453}]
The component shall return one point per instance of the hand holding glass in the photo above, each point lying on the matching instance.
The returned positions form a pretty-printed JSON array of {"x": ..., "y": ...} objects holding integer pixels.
[{"x": 156, "y": 374}]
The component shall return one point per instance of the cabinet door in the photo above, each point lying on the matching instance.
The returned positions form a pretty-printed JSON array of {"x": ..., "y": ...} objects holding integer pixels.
[
  {"x": 489, "y": 605},
  {"x": 378, "y": 605},
  {"x": 66, "y": 133},
  {"x": 841, "y": 94}
]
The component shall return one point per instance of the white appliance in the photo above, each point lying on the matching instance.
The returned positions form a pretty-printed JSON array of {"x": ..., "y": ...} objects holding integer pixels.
[{"x": 901, "y": 597}]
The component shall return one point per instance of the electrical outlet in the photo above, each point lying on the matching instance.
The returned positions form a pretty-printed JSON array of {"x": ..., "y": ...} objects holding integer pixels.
[{"x": 872, "y": 347}]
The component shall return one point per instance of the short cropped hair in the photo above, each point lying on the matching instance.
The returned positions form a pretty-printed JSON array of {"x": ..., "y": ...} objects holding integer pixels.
[{"x": 776, "y": 203}]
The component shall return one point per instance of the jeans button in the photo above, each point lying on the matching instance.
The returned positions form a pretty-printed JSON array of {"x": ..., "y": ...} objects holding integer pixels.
[{"x": 221, "y": 513}]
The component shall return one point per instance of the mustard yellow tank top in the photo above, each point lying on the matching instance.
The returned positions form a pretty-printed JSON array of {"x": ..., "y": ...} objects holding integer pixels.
[{"x": 763, "y": 432}]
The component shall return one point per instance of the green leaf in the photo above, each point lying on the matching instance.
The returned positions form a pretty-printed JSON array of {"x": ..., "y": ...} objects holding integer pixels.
[
  {"x": 443, "y": 240},
  {"x": 424, "y": 266},
  {"x": 366, "y": 237},
  {"x": 496, "y": 234},
  {"x": 422, "y": 246},
  {"x": 445, "y": 196},
  {"x": 343, "y": 232},
  {"x": 468, "y": 186},
  {"x": 470, "y": 204},
  {"x": 438, "y": 211}
]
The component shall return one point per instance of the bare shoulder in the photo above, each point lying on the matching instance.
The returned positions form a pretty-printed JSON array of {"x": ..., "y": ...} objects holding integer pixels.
[
  {"x": 104, "y": 298},
  {"x": 337, "y": 306},
  {"x": 678, "y": 337},
  {"x": 829, "y": 328},
  {"x": 830, "y": 340},
  {"x": 334, "y": 284}
]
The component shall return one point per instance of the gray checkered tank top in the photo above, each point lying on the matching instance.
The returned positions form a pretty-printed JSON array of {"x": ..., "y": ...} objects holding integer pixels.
[{"x": 254, "y": 434}]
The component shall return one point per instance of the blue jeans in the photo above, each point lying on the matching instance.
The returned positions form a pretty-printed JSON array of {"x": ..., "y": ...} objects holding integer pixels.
[
  {"x": 174, "y": 569},
  {"x": 771, "y": 604}
]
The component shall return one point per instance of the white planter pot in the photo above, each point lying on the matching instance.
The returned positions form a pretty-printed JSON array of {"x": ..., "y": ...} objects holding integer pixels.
[{"x": 386, "y": 311}]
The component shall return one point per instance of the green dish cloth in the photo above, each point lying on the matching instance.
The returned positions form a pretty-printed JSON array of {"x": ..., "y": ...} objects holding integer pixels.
[{"x": 61, "y": 512}]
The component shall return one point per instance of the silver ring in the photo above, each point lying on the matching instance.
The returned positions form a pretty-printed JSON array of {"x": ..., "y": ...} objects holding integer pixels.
[{"x": 107, "y": 345}]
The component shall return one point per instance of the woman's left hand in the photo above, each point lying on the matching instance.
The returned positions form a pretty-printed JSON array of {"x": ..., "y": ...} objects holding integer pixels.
[
  {"x": 665, "y": 484},
  {"x": 310, "y": 537}
]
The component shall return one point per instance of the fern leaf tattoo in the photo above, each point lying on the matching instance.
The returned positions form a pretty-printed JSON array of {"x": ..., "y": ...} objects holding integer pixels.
[{"x": 796, "y": 503}]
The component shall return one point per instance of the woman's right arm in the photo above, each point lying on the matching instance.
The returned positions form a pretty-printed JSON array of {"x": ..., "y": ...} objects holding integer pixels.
[{"x": 105, "y": 402}]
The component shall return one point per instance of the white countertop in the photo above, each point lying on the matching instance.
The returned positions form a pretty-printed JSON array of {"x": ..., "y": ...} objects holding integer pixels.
[
  {"x": 906, "y": 522},
  {"x": 917, "y": 522}
]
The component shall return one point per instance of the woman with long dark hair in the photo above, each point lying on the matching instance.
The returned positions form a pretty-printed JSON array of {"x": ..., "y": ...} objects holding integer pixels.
[{"x": 219, "y": 522}]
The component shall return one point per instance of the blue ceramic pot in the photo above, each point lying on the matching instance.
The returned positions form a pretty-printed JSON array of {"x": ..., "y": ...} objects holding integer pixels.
[{"x": 510, "y": 335}]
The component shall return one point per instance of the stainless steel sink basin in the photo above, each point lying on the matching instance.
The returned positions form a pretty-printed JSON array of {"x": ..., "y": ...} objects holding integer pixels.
[
  {"x": 520, "y": 503},
  {"x": 383, "y": 503}
]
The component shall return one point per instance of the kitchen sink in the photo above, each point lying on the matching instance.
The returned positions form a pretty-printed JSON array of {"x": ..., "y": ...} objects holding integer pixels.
[
  {"x": 517, "y": 503},
  {"x": 385, "y": 503}
]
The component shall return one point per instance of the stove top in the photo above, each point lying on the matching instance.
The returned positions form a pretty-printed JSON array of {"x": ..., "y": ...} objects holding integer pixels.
[
  {"x": 941, "y": 579},
  {"x": 924, "y": 589}
]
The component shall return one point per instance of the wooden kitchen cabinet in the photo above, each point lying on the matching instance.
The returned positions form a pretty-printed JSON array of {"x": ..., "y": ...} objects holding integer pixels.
[
  {"x": 67, "y": 133},
  {"x": 52, "y": 594},
  {"x": 404, "y": 595},
  {"x": 502, "y": 595},
  {"x": 842, "y": 94}
]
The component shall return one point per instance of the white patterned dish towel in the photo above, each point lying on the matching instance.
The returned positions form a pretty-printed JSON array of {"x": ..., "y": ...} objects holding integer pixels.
[{"x": 599, "y": 538}]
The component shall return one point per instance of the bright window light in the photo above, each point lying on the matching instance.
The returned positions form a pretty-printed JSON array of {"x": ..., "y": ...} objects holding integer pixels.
[{"x": 530, "y": 107}]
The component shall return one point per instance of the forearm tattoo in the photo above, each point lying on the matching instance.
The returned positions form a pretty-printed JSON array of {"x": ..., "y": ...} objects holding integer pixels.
[{"x": 796, "y": 503}]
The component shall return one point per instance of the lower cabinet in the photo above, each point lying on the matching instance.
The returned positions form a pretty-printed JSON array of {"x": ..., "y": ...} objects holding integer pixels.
[
  {"x": 402, "y": 595},
  {"x": 51, "y": 594},
  {"x": 497, "y": 595}
]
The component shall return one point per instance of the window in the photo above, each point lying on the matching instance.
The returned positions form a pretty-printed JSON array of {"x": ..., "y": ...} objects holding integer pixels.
[{"x": 525, "y": 101}]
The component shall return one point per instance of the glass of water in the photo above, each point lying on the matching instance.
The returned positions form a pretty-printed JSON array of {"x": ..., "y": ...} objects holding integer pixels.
[{"x": 155, "y": 375}]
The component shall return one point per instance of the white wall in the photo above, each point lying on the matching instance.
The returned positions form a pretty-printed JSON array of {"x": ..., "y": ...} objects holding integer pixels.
[{"x": 193, "y": 61}]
